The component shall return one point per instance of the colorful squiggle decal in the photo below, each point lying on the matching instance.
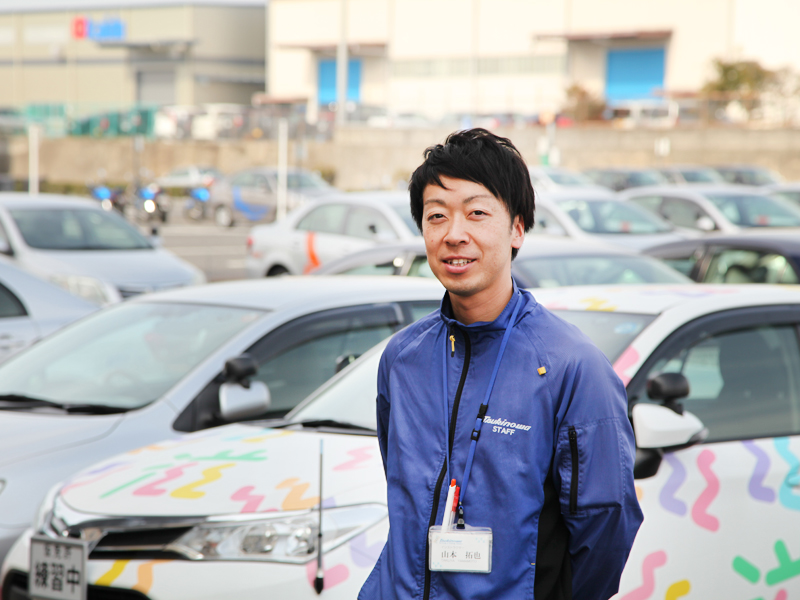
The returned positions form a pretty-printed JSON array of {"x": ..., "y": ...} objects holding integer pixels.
[
  {"x": 700, "y": 509},
  {"x": 268, "y": 436},
  {"x": 678, "y": 589},
  {"x": 597, "y": 304},
  {"x": 251, "y": 501},
  {"x": 115, "y": 571},
  {"x": 786, "y": 492},
  {"x": 152, "y": 489},
  {"x": 359, "y": 457},
  {"x": 756, "y": 485},
  {"x": 103, "y": 473},
  {"x": 781, "y": 595},
  {"x": 746, "y": 569},
  {"x": 189, "y": 490},
  {"x": 649, "y": 565},
  {"x": 674, "y": 482},
  {"x": 332, "y": 577},
  {"x": 144, "y": 575},
  {"x": 364, "y": 555},
  {"x": 255, "y": 455},
  {"x": 294, "y": 499},
  {"x": 786, "y": 569}
]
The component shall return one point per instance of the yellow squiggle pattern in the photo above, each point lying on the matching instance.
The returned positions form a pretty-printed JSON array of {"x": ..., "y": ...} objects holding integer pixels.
[
  {"x": 598, "y": 304},
  {"x": 145, "y": 576},
  {"x": 115, "y": 571},
  {"x": 678, "y": 589},
  {"x": 294, "y": 499},
  {"x": 189, "y": 492},
  {"x": 268, "y": 436}
]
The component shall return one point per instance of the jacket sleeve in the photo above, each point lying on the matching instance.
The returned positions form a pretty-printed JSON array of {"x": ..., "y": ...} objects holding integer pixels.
[
  {"x": 593, "y": 471},
  {"x": 383, "y": 406}
]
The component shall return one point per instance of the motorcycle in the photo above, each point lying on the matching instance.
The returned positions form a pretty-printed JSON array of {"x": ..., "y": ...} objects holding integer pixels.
[
  {"x": 147, "y": 203},
  {"x": 196, "y": 204},
  {"x": 109, "y": 199}
]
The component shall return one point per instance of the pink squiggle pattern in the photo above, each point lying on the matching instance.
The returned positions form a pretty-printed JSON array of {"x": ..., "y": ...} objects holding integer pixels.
[
  {"x": 359, "y": 457},
  {"x": 332, "y": 577},
  {"x": 781, "y": 595},
  {"x": 100, "y": 474},
  {"x": 650, "y": 563},
  {"x": 625, "y": 362},
  {"x": 700, "y": 509},
  {"x": 251, "y": 501},
  {"x": 151, "y": 489}
]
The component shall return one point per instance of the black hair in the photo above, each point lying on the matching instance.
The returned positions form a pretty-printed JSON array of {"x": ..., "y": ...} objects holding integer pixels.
[{"x": 480, "y": 156}]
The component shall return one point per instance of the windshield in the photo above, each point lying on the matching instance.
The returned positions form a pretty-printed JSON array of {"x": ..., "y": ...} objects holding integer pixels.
[
  {"x": 788, "y": 196},
  {"x": 306, "y": 181},
  {"x": 612, "y": 216},
  {"x": 404, "y": 211},
  {"x": 566, "y": 178},
  {"x": 125, "y": 357},
  {"x": 76, "y": 229},
  {"x": 702, "y": 176},
  {"x": 553, "y": 271},
  {"x": 640, "y": 178},
  {"x": 351, "y": 397},
  {"x": 751, "y": 210}
]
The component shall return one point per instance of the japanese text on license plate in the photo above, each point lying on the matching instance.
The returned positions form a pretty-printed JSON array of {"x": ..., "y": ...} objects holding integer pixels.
[{"x": 57, "y": 569}]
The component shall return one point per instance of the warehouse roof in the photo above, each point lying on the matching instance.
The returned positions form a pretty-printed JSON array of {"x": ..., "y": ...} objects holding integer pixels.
[{"x": 15, "y": 6}]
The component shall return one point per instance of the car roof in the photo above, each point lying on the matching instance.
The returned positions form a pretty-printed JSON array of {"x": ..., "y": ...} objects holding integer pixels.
[
  {"x": 783, "y": 239},
  {"x": 696, "y": 299},
  {"x": 576, "y": 193},
  {"x": 696, "y": 189},
  {"x": 276, "y": 293},
  {"x": 44, "y": 201}
]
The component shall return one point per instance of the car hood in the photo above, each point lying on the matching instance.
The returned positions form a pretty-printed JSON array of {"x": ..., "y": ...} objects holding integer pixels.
[
  {"x": 230, "y": 470},
  {"x": 24, "y": 435},
  {"x": 147, "y": 268}
]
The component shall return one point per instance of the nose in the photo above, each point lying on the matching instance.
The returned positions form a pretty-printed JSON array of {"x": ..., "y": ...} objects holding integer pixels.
[{"x": 457, "y": 231}]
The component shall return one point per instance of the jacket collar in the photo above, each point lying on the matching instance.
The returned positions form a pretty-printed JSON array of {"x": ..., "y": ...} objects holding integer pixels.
[{"x": 499, "y": 324}]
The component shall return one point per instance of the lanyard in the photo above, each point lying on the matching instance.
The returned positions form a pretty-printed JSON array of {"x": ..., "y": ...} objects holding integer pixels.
[{"x": 482, "y": 411}]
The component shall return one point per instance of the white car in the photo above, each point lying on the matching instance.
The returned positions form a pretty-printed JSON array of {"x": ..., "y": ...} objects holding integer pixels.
[
  {"x": 327, "y": 229},
  {"x": 162, "y": 364},
  {"x": 553, "y": 178},
  {"x": 234, "y": 512},
  {"x": 724, "y": 208},
  {"x": 598, "y": 214},
  {"x": 31, "y": 308},
  {"x": 90, "y": 252}
]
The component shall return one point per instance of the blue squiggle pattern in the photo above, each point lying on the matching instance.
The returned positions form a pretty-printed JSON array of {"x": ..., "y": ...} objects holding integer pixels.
[
  {"x": 675, "y": 481},
  {"x": 786, "y": 492},
  {"x": 756, "y": 485}
]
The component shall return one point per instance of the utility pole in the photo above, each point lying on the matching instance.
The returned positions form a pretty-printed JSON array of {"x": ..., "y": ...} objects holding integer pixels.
[
  {"x": 34, "y": 132},
  {"x": 283, "y": 168},
  {"x": 341, "y": 68}
]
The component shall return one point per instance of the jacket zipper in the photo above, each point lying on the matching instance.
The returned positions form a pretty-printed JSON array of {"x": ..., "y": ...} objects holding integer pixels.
[
  {"x": 573, "y": 484},
  {"x": 443, "y": 472}
]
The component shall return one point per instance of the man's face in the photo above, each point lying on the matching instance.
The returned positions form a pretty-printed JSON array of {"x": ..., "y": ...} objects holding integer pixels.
[{"x": 468, "y": 237}]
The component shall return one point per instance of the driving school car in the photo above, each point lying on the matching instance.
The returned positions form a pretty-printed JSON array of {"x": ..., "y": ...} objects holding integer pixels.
[{"x": 713, "y": 379}]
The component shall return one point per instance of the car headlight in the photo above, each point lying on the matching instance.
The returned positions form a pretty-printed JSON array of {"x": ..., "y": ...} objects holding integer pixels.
[
  {"x": 45, "y": 510},
  {"x": 284, "y": 539},
  {"x": 88, "y": 288}
]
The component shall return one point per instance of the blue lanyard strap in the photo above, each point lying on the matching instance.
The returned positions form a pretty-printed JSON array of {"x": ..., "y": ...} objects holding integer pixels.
[{"x": 481, "y": 412}]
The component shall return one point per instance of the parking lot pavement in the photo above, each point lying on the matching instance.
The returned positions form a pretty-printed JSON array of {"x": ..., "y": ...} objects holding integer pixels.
[{"x": 218, "y": 252}]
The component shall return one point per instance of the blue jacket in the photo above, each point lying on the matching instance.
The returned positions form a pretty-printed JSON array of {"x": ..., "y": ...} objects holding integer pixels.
[{"x": 534, "y": 427}]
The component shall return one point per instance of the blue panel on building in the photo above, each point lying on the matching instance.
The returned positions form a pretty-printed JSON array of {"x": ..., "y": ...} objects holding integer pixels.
[
  {"x": 327, "y": 80},
  {"x": 633, "y": 74}
]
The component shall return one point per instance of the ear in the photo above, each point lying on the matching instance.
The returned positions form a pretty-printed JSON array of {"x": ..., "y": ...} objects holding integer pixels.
[{"x": 517, "y": 232}]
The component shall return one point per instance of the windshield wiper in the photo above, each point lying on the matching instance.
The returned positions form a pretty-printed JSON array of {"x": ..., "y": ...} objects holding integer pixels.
[
  {"x": 22, "y": 402},
  {"x": 325, "y": 423}
]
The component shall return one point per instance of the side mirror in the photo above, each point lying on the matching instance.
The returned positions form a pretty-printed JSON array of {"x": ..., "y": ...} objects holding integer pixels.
[
  {"x": 659, "y": 427},
  {"x": 669, "y": 388},
  {"x": 705, "y": 223},
  {"x": 239, "y": 397}
]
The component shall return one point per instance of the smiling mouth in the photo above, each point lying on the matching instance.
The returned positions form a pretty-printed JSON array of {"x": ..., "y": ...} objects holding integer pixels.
[{"x": 460, "y": 262}]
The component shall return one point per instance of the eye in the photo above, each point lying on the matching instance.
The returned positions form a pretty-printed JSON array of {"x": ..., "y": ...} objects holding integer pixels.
[{"x": 435, "y": 216}]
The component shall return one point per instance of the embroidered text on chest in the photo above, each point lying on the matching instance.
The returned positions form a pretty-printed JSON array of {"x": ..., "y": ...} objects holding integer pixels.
[{"x": 501, "y": 425}]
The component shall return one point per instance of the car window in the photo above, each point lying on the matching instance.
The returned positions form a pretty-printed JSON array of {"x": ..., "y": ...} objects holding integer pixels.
[
  {"x": 670, "y": 176},
  {"x": 306, "y": 181},
  {"x": 545, "y": 222},
  {"x": 640, "y": 178},
  {"x": 10, "y": 305},
  {"x": 612, "y": 216},
  {"x": 750, "y": 210},
  {"x": 77, "y": 229},
  {"x": 300, "y": 356},
  {"x": 681, "y": 212},
  {"x": 420, "y": 268},
  {"x": 386, "y": 268},
  {"x": 546, "y": 271},
  {"x": 702, "y": 176},
  {"x": 684, "y": 262},
  {"x": 180, "y": 172},
  {"x": 731, "y": 265},
  {"x": 369, "y": 224},
  {"x": 651, "y": 203},
  {"x": 262, "y": 183},
  {"x": 743, "y": 384},
  {"x": 404, "y": 211},
  {"x": 328, "y": 218},
  {"x": 246, "y": 179},
  {"x": 788, "y": 196}
]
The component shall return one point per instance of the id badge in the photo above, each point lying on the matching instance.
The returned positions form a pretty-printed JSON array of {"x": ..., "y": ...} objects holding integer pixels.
[{"x": 466, "y": 550}]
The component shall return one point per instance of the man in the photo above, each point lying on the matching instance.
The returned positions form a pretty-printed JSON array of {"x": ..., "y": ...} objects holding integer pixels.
[{"x": 495, "y": 391}]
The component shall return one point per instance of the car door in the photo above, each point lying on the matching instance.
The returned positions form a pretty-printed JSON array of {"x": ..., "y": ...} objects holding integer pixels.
[
  {"x": 299, "y": 356},
  {"x": 685, "y": 213},
  {"x": 17, "y": 329},
  {"x": 720, "y": 517},
  {"x": 320, "y": 236},
  {"x": 364, "y": 228},
  {"x": 748, "y": 265}
]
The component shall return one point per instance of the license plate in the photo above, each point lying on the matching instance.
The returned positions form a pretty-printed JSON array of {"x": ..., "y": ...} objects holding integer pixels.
[{"x": 57, "y": 569}]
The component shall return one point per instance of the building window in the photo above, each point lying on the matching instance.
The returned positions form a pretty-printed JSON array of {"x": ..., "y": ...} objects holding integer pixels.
[{"x": 327, "y": 80}]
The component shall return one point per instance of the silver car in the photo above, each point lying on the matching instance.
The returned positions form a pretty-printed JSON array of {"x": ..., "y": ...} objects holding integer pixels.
[
  {"x": 161, "y": 364},
  {"x": 31, "y": 308},
  {"x": 90, "y": 252}
]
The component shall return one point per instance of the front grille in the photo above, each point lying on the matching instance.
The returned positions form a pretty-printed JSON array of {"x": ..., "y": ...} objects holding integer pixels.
[
  {"x": 15, "y": 587},
  {"x": 139, "y": 544}
]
